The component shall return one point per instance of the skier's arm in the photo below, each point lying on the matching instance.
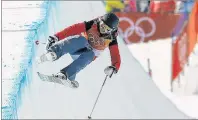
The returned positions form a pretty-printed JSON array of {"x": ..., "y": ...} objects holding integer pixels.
[
  {"x": 115, "y": 59},
  {"x": 114, "y": 51},
  {"x": 115, "y": 54},
  {"x": 75, "y": 29}
]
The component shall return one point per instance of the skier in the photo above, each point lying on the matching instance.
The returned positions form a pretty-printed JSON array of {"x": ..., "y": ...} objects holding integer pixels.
[{"x": 86, "y": 40}]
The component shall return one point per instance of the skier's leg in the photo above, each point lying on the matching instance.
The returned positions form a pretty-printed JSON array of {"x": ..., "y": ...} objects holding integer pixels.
[
  {"x": 74, "y": 57},
  {"x": 68, "y": 46},
  {"x": 80, "y": 63}
]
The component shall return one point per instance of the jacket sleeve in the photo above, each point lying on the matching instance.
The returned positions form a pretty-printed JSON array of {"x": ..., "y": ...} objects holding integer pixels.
[
  {"x": 115, "y": 54},
  {"x": 74, "y": 29}
]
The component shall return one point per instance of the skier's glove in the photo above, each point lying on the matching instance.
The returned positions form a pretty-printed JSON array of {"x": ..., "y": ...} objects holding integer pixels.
[
  {"x": 110, "y": 70},
  {"x": 51, "y": 41}
]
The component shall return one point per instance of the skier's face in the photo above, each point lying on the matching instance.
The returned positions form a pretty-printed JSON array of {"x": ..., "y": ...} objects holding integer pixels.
[{"x": 104, "y": 29}]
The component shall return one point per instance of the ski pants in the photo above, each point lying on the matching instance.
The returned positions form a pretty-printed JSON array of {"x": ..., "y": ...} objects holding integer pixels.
[{"x": 75, "y": 46}]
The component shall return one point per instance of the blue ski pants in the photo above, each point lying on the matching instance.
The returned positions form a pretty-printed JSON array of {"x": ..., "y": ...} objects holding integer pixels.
[{"x": 74, "y": 46}]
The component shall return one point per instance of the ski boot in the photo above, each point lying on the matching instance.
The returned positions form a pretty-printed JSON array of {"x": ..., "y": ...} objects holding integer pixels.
[
  {"x": 50, "y": 56},
  {"x": 62, "y": 76}
]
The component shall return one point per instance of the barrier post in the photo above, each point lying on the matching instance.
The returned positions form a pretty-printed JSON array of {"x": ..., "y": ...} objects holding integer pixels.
[{"x": 149, "y": 69}]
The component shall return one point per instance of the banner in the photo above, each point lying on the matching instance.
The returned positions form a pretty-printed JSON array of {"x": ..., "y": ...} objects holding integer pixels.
[
  {"x": 185, "y": 40},
  {"x": 193, "y": 28},
  {"x": 180, "y": 24},
  {"x": 196, "y": 20},
  {"x": 179, "y": 53},
  {"x": 141, "y": 27}
]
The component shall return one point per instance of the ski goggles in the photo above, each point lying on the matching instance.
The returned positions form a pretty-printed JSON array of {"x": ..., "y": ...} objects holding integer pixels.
[{"x": 104, "y": 29}]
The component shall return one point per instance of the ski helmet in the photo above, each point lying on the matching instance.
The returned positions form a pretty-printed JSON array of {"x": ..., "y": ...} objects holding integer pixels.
[{"x": 111, "y": 20}]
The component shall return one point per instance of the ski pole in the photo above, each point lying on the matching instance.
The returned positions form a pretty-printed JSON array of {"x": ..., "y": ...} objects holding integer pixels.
[{"x": 98, "y": 97}]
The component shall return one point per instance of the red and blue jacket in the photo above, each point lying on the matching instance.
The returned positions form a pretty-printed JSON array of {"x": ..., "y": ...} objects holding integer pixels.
[{"x": 90, "y": 30}]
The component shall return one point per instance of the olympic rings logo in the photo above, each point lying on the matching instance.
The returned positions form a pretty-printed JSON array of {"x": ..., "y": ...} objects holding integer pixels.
[{"x": 135, "y": 27}]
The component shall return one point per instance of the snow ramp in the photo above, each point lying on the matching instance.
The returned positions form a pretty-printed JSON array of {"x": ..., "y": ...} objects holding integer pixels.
[{"x": 129, "y": 94}]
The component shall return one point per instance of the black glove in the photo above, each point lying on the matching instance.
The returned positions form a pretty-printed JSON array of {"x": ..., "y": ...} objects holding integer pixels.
[
  {"x": 110, "y": 70},
  {"x": 51, "y": 41}
]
